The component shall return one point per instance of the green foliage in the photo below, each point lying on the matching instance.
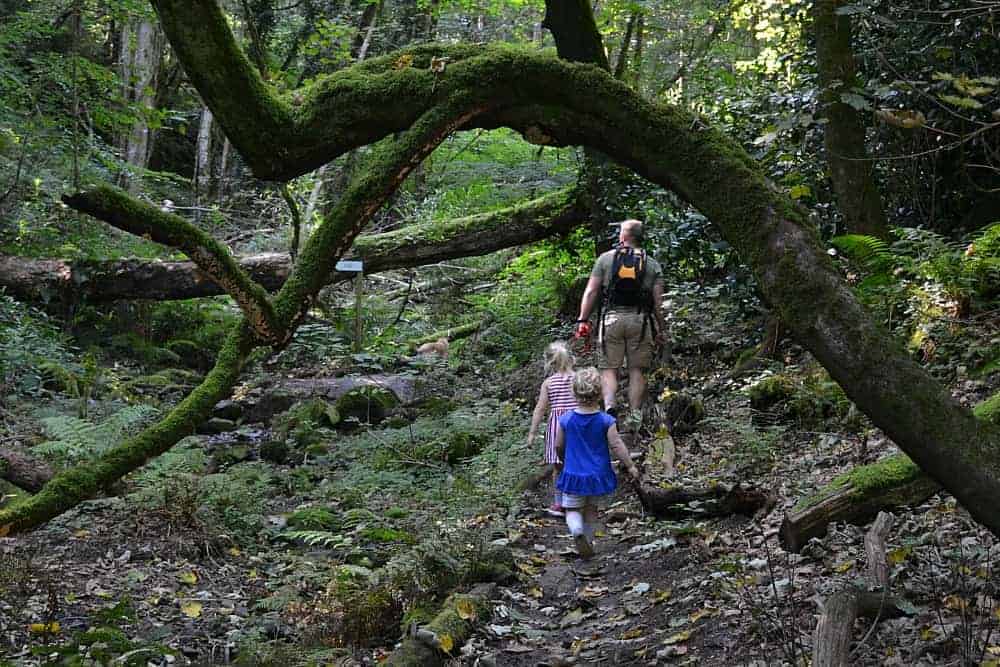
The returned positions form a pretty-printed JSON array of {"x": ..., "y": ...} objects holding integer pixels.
[
  {"x": 79, "y": 381},
  {"x": 72, "y": 440},
  {"x": 313, "y": 518},
  {"x": 28, "y": 340}
]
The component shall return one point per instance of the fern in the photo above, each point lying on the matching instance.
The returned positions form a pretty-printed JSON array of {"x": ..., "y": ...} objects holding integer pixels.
[
  {"x": 872, "y": 254},
  {"x": 72, "y": 439},
  {"x": 320, "y": 538}
]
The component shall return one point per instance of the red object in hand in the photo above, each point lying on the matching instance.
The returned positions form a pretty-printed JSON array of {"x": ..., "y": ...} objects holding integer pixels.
[{"x": 583, "y": 330}]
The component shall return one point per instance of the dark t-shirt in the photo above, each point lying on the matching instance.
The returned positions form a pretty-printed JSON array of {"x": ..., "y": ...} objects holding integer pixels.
[{"x": 605, "y": 263}]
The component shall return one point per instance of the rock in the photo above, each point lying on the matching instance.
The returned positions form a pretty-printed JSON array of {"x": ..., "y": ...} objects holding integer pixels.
[
  {"x": 216, "y": 425},
  {"x": 262, "y": 403},
  {"x": 274, "y": 451},
  {"x": 367, "y": 404},
  {"x": 228, "y": 409}
]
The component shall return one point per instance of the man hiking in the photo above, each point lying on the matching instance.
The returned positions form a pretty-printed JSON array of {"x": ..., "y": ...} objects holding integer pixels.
[{"x": 627, "y": 285}]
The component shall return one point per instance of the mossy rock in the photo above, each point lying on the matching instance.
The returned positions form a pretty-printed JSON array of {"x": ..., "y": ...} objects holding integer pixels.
[
  {"x": 302, "y": 425},
  {"x": 387, "y": 535},
  {"x": 683, "y": 412},
  {"x": 313, "y": 518},
  {"x": 274, "y": 451},
  {"x": 396, "y": 513},
  {"x": 226, "y": 456},
  {"x": 453, "y": 448},
  {"x": 771, "y": 391},
  {"x": 367, "y": 405}
]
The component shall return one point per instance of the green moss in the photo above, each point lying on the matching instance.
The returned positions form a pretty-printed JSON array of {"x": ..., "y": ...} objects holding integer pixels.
[
  {"x": 382, "y": 534},
  {"x": 396, "y": 513},
  {"x": 891, "y": 472},
  {"x": 368, "y": 405},
  {"x": 770, "y": 391},
  {"x": 313, "y": 518}
]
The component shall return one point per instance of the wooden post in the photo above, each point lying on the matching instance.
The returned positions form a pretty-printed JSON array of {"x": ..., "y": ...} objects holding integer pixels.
[{"x": 358, "y": 283}]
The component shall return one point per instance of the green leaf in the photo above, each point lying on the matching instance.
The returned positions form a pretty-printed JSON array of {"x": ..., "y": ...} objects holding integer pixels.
[{"x": 963, "y": 102}]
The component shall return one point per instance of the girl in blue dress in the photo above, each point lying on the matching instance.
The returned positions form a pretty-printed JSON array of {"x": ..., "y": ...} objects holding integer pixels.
[{"x": 585, "y": 438}]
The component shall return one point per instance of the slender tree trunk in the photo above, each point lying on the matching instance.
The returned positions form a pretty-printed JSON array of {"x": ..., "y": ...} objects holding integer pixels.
[
  {"x": 142, "y": 51},
  {"x": 851, "y": 172},
  {"x": 203, "y": 157}
]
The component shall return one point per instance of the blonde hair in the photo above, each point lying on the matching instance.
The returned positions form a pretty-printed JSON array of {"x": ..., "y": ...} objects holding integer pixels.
[
  {"x": 558, "y": 358},
  {"x": 587, "y": 386}
]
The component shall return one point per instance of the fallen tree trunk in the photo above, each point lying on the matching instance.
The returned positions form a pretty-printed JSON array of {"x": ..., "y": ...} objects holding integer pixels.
[
  {"x": 860, "y": 494},
  {"x": 454, "y": 333},
  {"x": 438, "y": 642},
  {"x": 856, "y": 497},
  {"x": 23, "y": 470},
  {"x": 718, "y": 500},
  {"x": 49, "y": 280}
]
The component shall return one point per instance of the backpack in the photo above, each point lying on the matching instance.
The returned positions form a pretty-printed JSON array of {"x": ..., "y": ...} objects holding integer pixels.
[{"x": 625, "y": 288}]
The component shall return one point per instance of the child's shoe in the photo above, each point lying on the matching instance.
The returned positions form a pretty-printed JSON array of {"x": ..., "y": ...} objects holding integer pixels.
[
  {"x": 583, "y": 546},
  {"x": 555, "y": 510}
]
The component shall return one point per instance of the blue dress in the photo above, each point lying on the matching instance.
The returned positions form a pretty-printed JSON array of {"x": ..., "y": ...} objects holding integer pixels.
[{"x": 587, "y": 460}]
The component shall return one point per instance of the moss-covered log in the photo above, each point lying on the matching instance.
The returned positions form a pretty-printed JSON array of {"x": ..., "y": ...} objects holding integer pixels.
[
  {"x": 454, "y": 333},
  {"x": 72, "y": 486},
  {"x": 856, "y": 497},
  {"x": 438, "y": 641},
  {"x": 98, "y": 281}
]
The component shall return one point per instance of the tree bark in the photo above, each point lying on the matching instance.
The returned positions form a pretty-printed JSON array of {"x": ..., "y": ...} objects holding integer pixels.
[
  {"x": 140, "y": 66},
  {"x": 203, "y": 156},
  {"x": 97, "y": 281},
  {"x": 851, "y": 172},
  {"x": 835, "y": 627},
  {"x": 23, "y": 470},
  {"x": 715, "y": 501}
]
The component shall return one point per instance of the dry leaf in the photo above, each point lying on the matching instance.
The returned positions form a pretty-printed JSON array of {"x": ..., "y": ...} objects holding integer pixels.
[
  {"x": 678, "y": 638},
  {"x": 466, "y": 610},
  {"x": 189, "y": 578},
  {"x": 535, "y": 592},
  {"x": 404, "y": 61},
  {"x": 446, "y": 643},
  {"x": 191, "y": 609},
  {"x": 51, "y": 628}
]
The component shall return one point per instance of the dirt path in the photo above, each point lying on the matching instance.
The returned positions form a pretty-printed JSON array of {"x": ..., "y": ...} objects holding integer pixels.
[{"x": 647, "y": 597}]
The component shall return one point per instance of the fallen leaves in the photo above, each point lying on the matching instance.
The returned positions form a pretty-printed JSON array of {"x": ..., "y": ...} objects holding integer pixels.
[{"x": 191, "y": 609}]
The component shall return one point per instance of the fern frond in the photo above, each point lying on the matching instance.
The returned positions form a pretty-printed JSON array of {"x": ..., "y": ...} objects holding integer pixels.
[
  {"x": 319, "y": 538},
  {"x": 872, "y": 254},
  {"x": 73, "y": 439}
]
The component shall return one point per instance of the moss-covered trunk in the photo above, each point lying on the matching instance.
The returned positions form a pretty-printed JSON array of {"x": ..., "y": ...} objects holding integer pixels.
[{"x": 851, "y": 172}]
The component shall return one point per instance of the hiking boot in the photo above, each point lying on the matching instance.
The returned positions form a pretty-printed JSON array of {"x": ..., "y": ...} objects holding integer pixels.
[
  {"x": 583, "y": 546},
  {"x": 555, "y": 510}
]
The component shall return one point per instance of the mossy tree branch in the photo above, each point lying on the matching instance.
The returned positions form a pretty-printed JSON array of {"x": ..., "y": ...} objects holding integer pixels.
[{"x": 120, "y": 210}]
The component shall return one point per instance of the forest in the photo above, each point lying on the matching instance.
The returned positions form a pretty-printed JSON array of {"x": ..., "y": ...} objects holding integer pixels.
[{"x": 279, "y": 281}]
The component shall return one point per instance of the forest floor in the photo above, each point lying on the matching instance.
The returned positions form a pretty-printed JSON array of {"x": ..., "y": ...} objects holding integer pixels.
[{"x": 153, "y": 577}]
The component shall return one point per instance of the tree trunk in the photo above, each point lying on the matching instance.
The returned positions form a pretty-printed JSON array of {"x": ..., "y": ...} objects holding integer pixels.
[
  {"x": 203, "y": 156},
  {"x": 142, "y": 47},
  {"x": 851, "y": 172},
  {"x": 95, "y": 281},
  {"x": 858, "y": 495}
]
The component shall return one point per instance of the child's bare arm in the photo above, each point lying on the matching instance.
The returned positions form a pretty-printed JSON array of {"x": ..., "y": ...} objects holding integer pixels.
[
  {"x": 541, "y": 407},
  {"x": 621, "y": 451}
]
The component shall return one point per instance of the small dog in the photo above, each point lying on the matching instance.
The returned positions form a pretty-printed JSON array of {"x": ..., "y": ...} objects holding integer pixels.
[{"x": 438, "y": 347}]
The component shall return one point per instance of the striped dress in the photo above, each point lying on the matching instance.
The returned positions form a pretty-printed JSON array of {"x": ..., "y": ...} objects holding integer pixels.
[{"x": 561, "y": 401}]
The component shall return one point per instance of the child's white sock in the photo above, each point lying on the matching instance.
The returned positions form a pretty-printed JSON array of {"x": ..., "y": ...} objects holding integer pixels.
[{"x": 574, "y": 521}]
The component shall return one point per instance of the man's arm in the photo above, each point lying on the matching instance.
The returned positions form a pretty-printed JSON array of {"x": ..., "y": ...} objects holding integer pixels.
[
  {"x": 661, "y": 322},
  {"x": 589, "y": 300}
]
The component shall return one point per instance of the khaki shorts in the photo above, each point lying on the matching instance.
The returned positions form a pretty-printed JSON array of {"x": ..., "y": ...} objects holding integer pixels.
[{"x": 621, "y": 332}]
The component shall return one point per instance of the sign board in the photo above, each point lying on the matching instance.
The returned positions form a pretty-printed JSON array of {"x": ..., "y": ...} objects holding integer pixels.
[{"x": 350, "y": 266}]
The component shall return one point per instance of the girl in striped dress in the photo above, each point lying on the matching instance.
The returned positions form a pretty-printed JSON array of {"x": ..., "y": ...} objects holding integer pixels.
[{"x": 556, "y": 397}]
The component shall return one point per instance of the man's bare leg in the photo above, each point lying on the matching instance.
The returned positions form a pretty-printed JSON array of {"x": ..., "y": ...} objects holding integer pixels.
[
  {"x": 609, "y": 384},
  {"x": 636, "y": 388}
]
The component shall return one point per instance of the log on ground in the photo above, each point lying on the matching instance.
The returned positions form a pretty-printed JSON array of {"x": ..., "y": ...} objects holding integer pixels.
[
  {"x": 439, "y": 641},
  {"x": 856, "y": 497}
]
